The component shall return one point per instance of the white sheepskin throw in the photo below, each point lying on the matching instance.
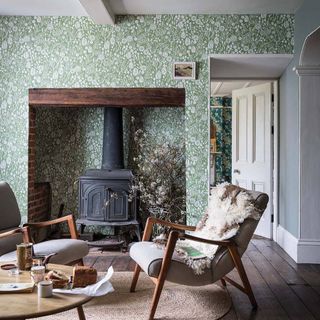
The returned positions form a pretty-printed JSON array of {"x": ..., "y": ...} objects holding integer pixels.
[{"x": 227, "y": 209}]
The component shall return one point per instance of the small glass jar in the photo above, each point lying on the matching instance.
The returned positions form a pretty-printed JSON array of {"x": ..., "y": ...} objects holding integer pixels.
[{"x": 37, "y": 273}]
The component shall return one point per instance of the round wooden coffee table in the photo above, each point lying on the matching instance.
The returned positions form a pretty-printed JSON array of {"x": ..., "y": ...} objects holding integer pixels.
[{"x": 28, "y": 305}]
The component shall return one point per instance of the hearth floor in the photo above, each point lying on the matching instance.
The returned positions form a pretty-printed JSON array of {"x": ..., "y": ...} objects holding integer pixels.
[{"x": 283, "y": 289}]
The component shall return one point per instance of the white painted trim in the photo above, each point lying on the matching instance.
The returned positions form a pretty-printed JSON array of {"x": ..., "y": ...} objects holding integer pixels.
[
  {"x": 268, "y": 66},
  {"x": 275, "y": 160},
  {"x": 300, "y": 250},
  {"x": 276, "y": 123},
  {"x": 99, "y": 10},
  {"x": 287, "y": 242},
  {"x": 251, "y": 55},
  {"x": 299, "y": 161},
  {"x": 308, "y": 251},
  {"x": 208, "y": 140},
  {"x": 307, "y": 71}
]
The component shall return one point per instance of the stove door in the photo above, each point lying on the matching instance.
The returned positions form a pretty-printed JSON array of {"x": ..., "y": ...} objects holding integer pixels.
[
  {"x": 117, "y": 205},
  {"x": 93, "y": 204}
]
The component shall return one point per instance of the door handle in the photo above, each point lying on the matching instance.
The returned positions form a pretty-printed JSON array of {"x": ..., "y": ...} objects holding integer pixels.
[{"x": 236, "y": 171}]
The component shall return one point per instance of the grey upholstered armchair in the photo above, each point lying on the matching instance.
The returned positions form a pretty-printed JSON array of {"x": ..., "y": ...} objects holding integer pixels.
[
  {"x": 161, "y": 265},
  {"x": 68, "y": 251}
]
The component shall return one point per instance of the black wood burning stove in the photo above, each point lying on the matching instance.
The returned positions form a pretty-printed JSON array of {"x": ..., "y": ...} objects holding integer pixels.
[{"x": 104, "y": 194}]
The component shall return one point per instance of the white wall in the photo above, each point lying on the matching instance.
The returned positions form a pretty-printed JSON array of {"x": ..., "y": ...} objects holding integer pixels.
[{"x": 307, "y": 19}]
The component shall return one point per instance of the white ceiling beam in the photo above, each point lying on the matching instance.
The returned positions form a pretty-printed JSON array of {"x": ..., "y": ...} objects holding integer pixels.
[
  {"x": 217, "y": 88},
  {"x": 99, "y": 10}
]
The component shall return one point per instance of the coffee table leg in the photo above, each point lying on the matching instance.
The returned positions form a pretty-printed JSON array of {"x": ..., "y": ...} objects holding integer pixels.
[{"x": 81, "y": 313}]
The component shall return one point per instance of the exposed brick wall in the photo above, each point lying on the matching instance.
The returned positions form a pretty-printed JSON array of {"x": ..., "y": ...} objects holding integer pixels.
[{"x": 39, "y": 194}]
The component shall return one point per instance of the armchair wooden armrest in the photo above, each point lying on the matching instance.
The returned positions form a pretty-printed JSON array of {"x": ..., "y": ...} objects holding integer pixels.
[
  {"x": 24, "y": 230},
  {"x": 175, "y": 235},
  {"x": 152, "y": 221},
  {"x": 225, "y": 243},
  {"x": 69, "y": 219}
]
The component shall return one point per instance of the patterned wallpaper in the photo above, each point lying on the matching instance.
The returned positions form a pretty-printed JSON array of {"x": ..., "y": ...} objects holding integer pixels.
[
  {"x": 137, "y": 52},
  {"x": 222, "y": 119}
]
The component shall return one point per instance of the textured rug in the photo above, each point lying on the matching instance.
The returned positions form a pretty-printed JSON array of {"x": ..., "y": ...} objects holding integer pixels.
[{"x": 176, "y": 302}]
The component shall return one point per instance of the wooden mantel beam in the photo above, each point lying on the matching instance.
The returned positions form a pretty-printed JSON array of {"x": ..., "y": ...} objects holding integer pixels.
[{"x": 103, "y": 97}]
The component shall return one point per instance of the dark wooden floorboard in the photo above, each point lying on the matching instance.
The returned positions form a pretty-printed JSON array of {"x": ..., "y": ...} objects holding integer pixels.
[
  {"x": 103, "y": 263},
  {"x": 308, "y": 272},
  {"x": 90, "y": 260},
  {"x": 309, "y": 297},
  {"x": 283, "y": 289},
  {"x": 121, "y": 264},
  {"x": 290, "y": 302},
  {"x": 269, "y": 306},
  {"x": 131, "y": 265},
  {"x": 286, "y": 271},
  {"x": 316, "y": 288}
]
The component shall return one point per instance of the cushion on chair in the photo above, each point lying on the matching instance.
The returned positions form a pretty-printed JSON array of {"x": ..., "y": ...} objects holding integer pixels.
[
  {"x": 9, "y": 218},
  {"x": 149, "y": 257},
  {"x": 9, "y": 243},
  {"x": 68, "y": 250},
  {"x": 9, "y": 210}
]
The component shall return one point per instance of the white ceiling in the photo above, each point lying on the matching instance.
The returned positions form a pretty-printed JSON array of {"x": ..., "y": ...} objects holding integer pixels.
[
  {"x": 247, "y": 66},
  {"x": 74, "y": 8},
  {"x": 41, "y": 8},
  {"x": 225, "y": 88},
  {"x": 204, "y": 6}
]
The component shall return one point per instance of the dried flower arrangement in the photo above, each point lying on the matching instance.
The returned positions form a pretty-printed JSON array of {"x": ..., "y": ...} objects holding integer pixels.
[{"x": 160, "y": 183}]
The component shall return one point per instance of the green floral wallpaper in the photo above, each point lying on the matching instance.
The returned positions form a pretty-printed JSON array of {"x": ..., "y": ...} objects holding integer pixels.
[
  {"x": 137, "y": 52},
  {"x": 222, "y": 119}
]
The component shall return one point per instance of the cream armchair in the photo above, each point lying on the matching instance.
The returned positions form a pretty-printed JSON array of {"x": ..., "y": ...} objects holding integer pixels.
[
  {"x": 67, "y": 251},
  {"x": 161, "y": 265}
]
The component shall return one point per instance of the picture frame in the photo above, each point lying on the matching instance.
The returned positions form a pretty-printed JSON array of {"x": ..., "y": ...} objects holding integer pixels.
[{"x": 184, "y": 70}]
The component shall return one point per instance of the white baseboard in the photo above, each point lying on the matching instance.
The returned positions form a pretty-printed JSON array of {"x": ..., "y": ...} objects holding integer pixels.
[
  {"x": 287, "y": 242},
  {"x": 300, "y": 250},
  {"x": 308, "y": 251}
]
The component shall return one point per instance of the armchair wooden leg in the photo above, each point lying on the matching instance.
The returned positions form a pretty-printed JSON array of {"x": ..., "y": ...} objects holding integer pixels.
[
  {"x": 223, "y": 282},
  {"x": 172, "y": 239},
  {"x": 135, "y": 278},
  {"x": 243, "y": 275},
  {"x": 156, "y": 297}
]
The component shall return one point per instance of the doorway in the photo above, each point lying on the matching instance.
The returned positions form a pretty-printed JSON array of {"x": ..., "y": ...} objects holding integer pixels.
[{"x": 243, "y": 108}]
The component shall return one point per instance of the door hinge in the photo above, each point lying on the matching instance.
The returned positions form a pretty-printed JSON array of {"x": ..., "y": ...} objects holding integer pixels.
[
  {"x": 272, "y": 218},
  {"x": 272, "y": 130},
  {"x": 272, "y": 98}
]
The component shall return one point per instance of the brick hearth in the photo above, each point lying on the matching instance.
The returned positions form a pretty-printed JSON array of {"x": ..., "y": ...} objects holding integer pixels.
[{"x": 39, "y": 194}]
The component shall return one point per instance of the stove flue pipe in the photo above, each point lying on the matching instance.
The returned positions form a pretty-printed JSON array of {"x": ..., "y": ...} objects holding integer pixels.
[{"x": 112, "y": 152}]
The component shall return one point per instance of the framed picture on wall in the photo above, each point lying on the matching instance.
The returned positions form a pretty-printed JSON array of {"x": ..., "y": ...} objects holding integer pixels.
[{"x": 184, "y": 70}]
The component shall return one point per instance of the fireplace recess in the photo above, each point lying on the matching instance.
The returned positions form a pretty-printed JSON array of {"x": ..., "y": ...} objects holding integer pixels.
[{"x": 113, "y": 213}]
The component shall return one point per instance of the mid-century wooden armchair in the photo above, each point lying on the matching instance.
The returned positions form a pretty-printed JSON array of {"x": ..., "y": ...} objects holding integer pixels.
[
  {"x": 161, "y": 265},
  {"x": 23, "y": 231},
  {"x": 80, "y": 247},
  {"x": 67, "y": 251}
]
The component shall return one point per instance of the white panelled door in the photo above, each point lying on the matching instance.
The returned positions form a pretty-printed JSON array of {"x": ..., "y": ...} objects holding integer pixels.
[{"x": 252, "y": 145}]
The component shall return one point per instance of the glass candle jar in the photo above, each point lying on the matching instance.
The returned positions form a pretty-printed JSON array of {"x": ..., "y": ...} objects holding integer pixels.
[{"x": 37, "y": 273}]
